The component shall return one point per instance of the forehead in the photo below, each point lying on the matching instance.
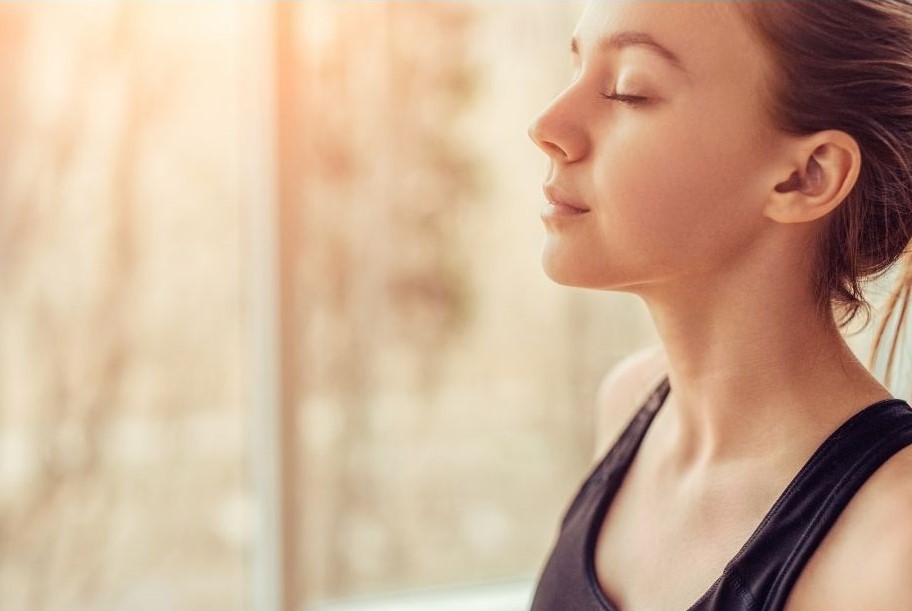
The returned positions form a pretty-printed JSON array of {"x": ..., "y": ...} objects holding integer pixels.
[{"x": 711, "y": 39}]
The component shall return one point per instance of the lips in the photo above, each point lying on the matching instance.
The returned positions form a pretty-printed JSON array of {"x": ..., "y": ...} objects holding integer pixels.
[{"x": 557, "y": 195}]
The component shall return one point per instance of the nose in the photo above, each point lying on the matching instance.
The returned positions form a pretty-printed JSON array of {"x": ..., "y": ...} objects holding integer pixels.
[
  {"x": 557, "y": 130},
  {"x": 537, "y": 134}
]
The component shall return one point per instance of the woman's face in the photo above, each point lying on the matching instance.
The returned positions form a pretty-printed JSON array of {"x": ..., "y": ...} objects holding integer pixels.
[{"x": 671, "y": 184}]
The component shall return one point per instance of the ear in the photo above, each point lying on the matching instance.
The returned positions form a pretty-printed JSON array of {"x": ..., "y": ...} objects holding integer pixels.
[{"x": 824, "y": 167}]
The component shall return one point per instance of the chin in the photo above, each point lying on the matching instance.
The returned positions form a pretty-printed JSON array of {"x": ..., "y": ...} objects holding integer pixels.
[
  {"x": 581, "y": 272},
  {"x": 570, "y": 272}
]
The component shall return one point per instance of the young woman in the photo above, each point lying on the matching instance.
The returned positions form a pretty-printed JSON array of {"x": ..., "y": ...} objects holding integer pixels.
[{"x": 743, "y": 167}]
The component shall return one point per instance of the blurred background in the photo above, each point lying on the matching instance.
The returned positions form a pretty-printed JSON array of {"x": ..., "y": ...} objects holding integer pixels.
[{"x": 274, "y": 332}]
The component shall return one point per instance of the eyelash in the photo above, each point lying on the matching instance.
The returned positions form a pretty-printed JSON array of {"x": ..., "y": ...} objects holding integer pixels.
[{"x": 632, "y": 100}]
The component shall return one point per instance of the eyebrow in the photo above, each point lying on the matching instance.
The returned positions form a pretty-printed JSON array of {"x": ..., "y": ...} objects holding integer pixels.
[{"x": 629, "y": 38}]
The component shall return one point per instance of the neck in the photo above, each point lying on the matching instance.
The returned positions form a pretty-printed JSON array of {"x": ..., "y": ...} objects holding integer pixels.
[{"x": 765, "y": 378}]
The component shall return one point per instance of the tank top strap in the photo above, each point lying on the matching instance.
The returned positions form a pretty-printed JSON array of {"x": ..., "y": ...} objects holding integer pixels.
[
  {"x": 619, "y": 456},
  {"x": 772, "y": 559},
  {"x": 622, "y": 453}
]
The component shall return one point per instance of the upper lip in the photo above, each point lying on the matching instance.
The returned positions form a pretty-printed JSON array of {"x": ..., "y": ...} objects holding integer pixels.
[{"x": 557, "y": 195}]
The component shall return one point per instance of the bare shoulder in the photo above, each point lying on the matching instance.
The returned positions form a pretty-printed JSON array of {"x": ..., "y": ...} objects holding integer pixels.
[
  {"x": 865, "y": 560},
  {"x": 623, "y": 390}
]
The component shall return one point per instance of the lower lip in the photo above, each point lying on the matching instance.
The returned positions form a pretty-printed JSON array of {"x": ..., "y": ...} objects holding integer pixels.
[{"x": 551, "y": 210}]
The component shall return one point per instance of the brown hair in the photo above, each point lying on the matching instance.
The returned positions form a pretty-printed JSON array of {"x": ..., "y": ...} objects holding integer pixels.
[{"x": 847, "y": 65}]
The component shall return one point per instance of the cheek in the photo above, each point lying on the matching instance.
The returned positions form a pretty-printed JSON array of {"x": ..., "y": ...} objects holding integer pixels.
[{"x": 678, "y": 193}]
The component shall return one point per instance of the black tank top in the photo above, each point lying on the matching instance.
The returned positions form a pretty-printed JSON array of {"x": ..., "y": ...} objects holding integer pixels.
[{"x": 763, "y": 572}]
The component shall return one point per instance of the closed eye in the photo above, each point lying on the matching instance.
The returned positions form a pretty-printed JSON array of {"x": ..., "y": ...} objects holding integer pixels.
[{"x": 632, "y": 100}]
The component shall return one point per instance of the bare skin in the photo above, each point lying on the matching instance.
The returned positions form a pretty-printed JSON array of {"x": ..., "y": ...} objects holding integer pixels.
[
  {"x": 698, "y": 206},
  {"x": 687, "y": 527}
]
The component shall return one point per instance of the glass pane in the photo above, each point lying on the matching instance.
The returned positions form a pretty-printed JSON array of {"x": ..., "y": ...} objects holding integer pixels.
[{"x": 123, "y": 467}]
